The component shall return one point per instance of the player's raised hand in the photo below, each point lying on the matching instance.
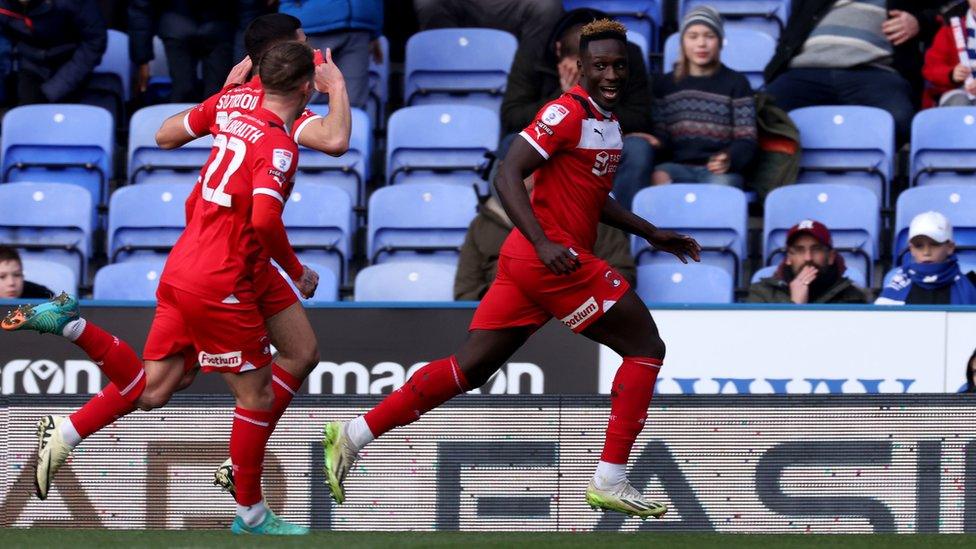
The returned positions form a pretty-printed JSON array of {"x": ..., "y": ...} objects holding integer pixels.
[
  {"x": 681, "y": 246},
  {"x": 328, "y": 77},
  {"x": 558, "y": 258},
  {"x": 308, "y": 282},
  {"x": 240, "y": 72}
]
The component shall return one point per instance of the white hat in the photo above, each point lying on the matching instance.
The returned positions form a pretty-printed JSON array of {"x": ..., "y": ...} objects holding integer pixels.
[{"x": 931, "y": 224}]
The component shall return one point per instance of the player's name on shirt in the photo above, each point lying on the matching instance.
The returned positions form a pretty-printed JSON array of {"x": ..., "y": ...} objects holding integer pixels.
[
  {"x": 242, "y": 129},
  {"x": 245, "y": 101}
]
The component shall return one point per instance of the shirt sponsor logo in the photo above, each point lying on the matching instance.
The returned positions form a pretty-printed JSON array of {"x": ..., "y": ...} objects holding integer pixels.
[
  {"x": 577, "y": 317},
  {"x": 278, "y": 176},
  {"x": 281, "y": 159},
  {"x": 222, "y": 360},
  {"x": 540, "y": 128},
  {"x": 554, "y": 114}
]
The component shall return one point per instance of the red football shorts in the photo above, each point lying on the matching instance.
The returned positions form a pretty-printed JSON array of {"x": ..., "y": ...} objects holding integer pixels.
[
  {"x": 273, "y": 292},
  {"x": 227, "y": 337},
  {"x": 526, "y": 293}
]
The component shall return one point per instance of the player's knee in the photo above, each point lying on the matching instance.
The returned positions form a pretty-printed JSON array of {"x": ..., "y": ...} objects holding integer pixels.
[
  {"x": 478, "y": 373},
  {"x": 656, "y": 348},
  {"x": 152, "y": 399},
  {"x": 260, "y": 399}
]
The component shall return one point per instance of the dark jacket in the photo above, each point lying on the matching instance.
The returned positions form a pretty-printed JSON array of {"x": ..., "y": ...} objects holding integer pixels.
[
  {"x": 66, "y": 43},
  {"x": 490, "y": 228},
  {"x": 146, "y": 19},
  {"x": 776, "y": 290},
  {"x": 321, "y": 16},
  {"x": 36, "y": 291},
  {"x": 806, "y": 14},
  {"x": 533, "y": 81}
]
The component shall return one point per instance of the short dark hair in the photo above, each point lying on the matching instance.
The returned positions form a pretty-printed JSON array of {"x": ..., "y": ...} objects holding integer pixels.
[
  {"x": 9, "y": 254},
  {"x": 268, "y": 30},
  {"x": 602, "y": 29},
  {"x": 286, "y": 66}
]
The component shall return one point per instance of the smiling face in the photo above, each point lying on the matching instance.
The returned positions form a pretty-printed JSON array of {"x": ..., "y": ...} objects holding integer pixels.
[
  {"x": 700, "y": 45},
  {"x": 603, "y": 71}
]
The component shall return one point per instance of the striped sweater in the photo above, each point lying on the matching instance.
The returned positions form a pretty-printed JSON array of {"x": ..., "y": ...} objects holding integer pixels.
[
  {"x": 849, "y": 35},
  {"x": 704, "y": 115}
]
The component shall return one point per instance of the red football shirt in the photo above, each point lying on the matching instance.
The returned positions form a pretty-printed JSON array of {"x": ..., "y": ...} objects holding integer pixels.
[
  {"x": 581, "y": 143},
  {"x": 218, "y": 252}
]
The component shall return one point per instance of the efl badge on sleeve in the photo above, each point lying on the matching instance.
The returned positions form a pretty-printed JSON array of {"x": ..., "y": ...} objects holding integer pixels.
[{"x": 281, "y": 159}]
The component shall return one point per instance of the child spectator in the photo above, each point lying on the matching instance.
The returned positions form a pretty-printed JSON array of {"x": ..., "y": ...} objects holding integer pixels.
[
  {"x": 12, "y": 283},
  {"x": 704, "y": 112},
  {"x": 933, "y": 277},
  {"x": 950, "y": 80}
]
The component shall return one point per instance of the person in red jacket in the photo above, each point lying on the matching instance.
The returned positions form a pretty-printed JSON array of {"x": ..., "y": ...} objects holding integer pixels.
[{"x": 949, "y": 81}]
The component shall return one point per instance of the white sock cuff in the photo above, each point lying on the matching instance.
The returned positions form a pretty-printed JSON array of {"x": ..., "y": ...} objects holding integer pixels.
[
  {"x": 73, "y": 329},
  {"x": 358, "y": 432},
  {"x": 608, "y": 475},
  {"x": 252, "y": 515},
  {"x": 68, "y": 433}
]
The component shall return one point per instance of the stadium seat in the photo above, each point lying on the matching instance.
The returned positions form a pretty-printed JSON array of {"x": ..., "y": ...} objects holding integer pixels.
[
  {"x": 319, "y": 221},
  {"x": 130, "y": 281},
  {"x": 956, "y": 201},
  {"x": 349, "y": 171},
  {"x": 767, "y": 16},
  {"x": 113, "y": 74},
  {"x": 150, "y": 164},
  {"x": 409, "y": 281},
  {"x": 944, "y": 146},
  {"x": 853, "y": 273},
  {"x": 327, "y": 290},
  {"x": 421, "y": 221},
  {"x": 681, "y": 283},
  {"x": 53, "y": 276},
  {"x": 59, "y": 143},
  {"x": 641, "y": 41},
  {"x": 715, "y": 215},
  {"x": 49, "y": 221},
  {"x": 851, "y": 213},
  {"x": 146, "y": 220},
  {"x": 449, "y": 141},
  {"x": 745, "y": 50},
  {"x": 641, "y": 16},
  {"x": 847, "y": 144},
  {"x": 379, "y": 86},
  {"x": 458, "y": 66}
]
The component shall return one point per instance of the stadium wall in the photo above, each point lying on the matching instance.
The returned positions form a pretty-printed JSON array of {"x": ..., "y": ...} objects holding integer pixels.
[
  {"x": 736, "y": 349},
  {"x": 815, "y": 463}
]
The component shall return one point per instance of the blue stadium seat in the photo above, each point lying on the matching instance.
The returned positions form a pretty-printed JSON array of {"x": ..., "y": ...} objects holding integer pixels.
[
  {"x": 944, "y": 146},
  {"x": 955, "y": 201},
  {"x": 745, "y": 50},
  {"x": 768, "y": 16},
  {"x": 681, "y": 283},
  {"x": 160, "y": 86},
  {"x": 641, "y": 41},
  {"x": 851, "y": 213},
  {"x": 53, "y": 276},
  {"x": 59, "y": 143},
  {"x": 112, "y": 77},
  {"x": 847, "y": 144},
  {"x": 408, "y": 281},
  {"x": 715, "y": 215},
  {"x": 319, "y": 220},
  {"x": 641, "y": 16},
  {"x": 49, "y": 221},
  {"x": 328, "y": 288},
  {"x": 146, "y": 220},
  {"x": 379, "y": 86},
  {"x": 449, "y": 141},
  {"x": 350, "y": 171},
  {"x": 130, "y": 281},
  {"x": 467, "y": 66},
  {"x": 853, "y": 273},
  {"x": 150, "y": 164},
  {"x": 421, "y": 221}
]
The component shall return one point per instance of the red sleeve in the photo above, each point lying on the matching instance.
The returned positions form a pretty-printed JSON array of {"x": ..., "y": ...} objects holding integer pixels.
[
  {"x": 301, "y": 122},
  {"x": 270, "y": 230},
  {"x": 556, "y": 127},
  {"x": 941, "y": 59},
  {"x": 274, "y": 165},
  {"x": 202, "y": 119}
]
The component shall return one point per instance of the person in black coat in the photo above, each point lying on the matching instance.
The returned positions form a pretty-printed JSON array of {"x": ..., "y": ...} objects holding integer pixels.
[{"x": 56, "y": 45}]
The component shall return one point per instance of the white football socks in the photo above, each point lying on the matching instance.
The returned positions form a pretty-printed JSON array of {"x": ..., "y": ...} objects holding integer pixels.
[
  {"x": 358, "y": 432},
  {"x": 68, "y": 433},
  {"x": 608, "y": 475},
  {"x": 73, "y": 329},
  {"x": 252, "y": 515}
]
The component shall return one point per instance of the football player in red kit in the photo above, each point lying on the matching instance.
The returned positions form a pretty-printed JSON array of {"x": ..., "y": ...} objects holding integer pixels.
[
  {"x": 547, "y": 269},
  {"x": 207, "y": 301}
]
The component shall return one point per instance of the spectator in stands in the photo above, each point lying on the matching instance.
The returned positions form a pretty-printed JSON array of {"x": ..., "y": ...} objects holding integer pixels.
[
  {"x": 193, "y": 33},
  {"x": 950, "y": 81},
  {"x": 812, "y": 272},
  {"x": 704, "y": 112},
  {"x": 351, "y": 29},
  {"x": 56, "y": 45},
  {"x": 529, "y": 20},
  {"x": 12, "y": 283},
  {"x": 848, "y": 53},
  {"x": 540, "y": 75},
  {"x": 487, "y": 232},
  {"x": 933, "y": 276}
]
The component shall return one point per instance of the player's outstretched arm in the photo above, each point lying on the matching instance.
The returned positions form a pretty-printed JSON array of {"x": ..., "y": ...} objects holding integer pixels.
[
  {"x": 680, "y": 245},
  {"x": 330, "y": 134},
  {"x": 173, "y": 133},
  {"x": 519, "y": 163}
]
